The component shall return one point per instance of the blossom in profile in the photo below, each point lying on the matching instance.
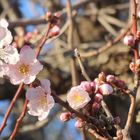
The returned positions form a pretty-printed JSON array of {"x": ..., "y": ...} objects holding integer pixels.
[
  {"x": 77, "y": 98},
  {"x": 5, "y": 34},
  {"x": 26, "y": 69},
  {"x": 40, "y": 101}
]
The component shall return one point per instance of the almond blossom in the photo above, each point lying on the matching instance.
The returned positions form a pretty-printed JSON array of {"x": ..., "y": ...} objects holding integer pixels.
[
  {"x": 5, "y": 34},
  {"x": 40, "y": 100},
  {"x": 8, "y": 53},
  {"x": 77, "y": 98},
  {"x": 26, "y": 69}
]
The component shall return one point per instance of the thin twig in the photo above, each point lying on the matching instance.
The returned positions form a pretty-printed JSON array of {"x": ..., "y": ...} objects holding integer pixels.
[
  {"x": 77, "y": 54},
  {"x": 70, "y": 44},
  {"x": 11, "y": 107},
  {"x": 19, "y": 120},
  {"x": 107, "y": 45},
  {"x": 136, "y": 76},
  {"x": 39, "y": 47}
]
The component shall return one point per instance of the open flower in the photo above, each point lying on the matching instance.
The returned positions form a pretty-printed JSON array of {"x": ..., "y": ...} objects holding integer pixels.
[
  {"x": 26, "y": 69},
  {"x": 40, "y": 100},
  {"x": 5, "y": 34},
  {"x": 8, "y": 53},
  {"x": 77, "y": 98}
]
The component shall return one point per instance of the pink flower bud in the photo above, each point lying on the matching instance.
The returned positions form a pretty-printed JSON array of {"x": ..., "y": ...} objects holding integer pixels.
[
  {"x": 132, "y": 66},
  {"x": 79, "y": 123},
  {"x": 110, "y": 78},
  {"x": 85, "y": 85},
  {"x": 101, "y": 76},
  {"x": 96, "y": 106},
  {"x": 98, "y": 97},
  {"x": 57, "y": 14},
  {"x": 138, "y": 62},
  {"x": 54, "y": 31},
  {"x": 106, "y": 89},
  {"x": 65, "y": 116},
  {"x": 48, "y": 15},
  {"x": 121, "y": 84},
  {"x": 129, "y": 40}
]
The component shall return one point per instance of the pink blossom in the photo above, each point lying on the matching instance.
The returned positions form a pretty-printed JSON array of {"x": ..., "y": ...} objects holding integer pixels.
[
  {"x": 40, "y": 100},
  {"x": 110, "y": 78},
  {"x": 26, "y": 69},
  {"x": 106, "y": 89},
  {"x": 54, "y": 31},
  {"x": 98, "y": 97},
  {"x": 65, "y": 116},
  {"x": 129, "y": 40},
  {"x": 85, "y": 85},
  {"x": 77, "y": 98},
  {"x": 79, "y": 123},
  {"x": 5, "y": 34}
]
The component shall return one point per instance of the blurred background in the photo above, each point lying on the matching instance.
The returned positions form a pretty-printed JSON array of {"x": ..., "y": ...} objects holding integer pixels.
[{"x": 96, "y": 22}]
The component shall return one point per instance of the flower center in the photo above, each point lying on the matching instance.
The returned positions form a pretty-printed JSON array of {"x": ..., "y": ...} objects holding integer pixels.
[
  {"x": 78, "y": 98},
  {"x": 42, "y": 101},
  {"x": 23, "y": 69}
]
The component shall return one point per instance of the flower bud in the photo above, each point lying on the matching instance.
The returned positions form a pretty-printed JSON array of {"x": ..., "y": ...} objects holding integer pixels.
[
  {"x": 106, "y": 89},
  {"x": 54, "y": 31},
  {"x": 101, "y": 76},
  {"x": 85, "y": 85},
  {"x": 110, "y": 78},
  {"x": 79, "y": 123},
  {"x": 129, "y": 40},
  {"x": 121, "y": 84},
  {"x": 132, "y": 66},
  {"x": 98, "y": 97},
  {"x": 65, "y": 116},
  {"x": 95, "y": 107},
  {"x": 48, "y": 15}
]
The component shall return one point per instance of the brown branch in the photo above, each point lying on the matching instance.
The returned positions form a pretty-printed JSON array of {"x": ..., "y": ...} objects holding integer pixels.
[
  {"x": 38, "y": 49},
  {"x": 107, "y": 45},
  {"x": 96, "y": 135},
  {"x": 11, "y": 107},
  {"x": 19, "y": 120},
  {"x": 77, "y": 54},
  {"x": 136, "y": 76},
  {"x": 70, "y": 44},
  {"x": 26, "y": 22}
]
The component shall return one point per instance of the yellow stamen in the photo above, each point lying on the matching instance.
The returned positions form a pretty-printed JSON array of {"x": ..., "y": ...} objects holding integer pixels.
[
  {"x": 42, "y": 101},
  {"x": 78, "y": 98},
  {"x": 23, "y": 69}
]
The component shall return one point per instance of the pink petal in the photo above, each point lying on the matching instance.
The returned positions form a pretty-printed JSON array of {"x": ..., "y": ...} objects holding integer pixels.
[
  {"x": 45, "y": 84},
  {"x": 11, "y": 55},
  {"x": 3, "y": 23},
  {"x": 2, "y": 33},
  {"x": 29, "y": 79},
  {"x": 27, "y": 54},
  {"x": 36, "y": 68}
]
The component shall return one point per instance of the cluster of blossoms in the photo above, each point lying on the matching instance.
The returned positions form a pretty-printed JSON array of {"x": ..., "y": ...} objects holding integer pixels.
[
  {"x": 87, "y": 96},
  {"x": 23, "y": 67}
]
